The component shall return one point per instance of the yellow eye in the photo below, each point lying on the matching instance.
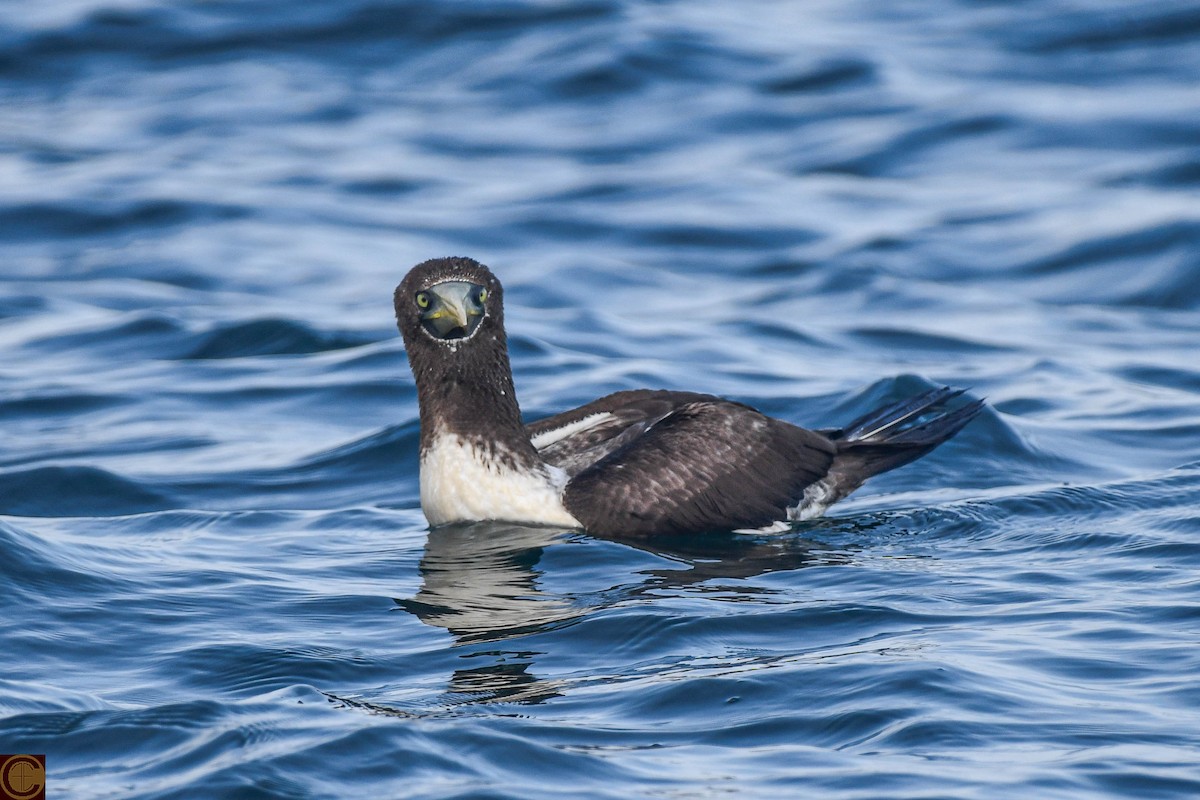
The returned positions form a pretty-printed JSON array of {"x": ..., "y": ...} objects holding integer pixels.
[
  {"x": 483, "y": 295},
  {"x": 422, "y": 299}
]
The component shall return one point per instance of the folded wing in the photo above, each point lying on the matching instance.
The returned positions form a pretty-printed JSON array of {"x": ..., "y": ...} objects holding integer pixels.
[
  {"x": 577, "y": 439},
  {"x": 667, "y": 462}
]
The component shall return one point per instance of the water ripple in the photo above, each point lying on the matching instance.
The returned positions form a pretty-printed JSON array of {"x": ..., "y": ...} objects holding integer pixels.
[{"x": 218, "y": 581}]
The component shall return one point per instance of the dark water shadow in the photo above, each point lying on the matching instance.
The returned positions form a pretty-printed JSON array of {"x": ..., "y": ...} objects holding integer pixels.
[{"x": 730, "y": 556}]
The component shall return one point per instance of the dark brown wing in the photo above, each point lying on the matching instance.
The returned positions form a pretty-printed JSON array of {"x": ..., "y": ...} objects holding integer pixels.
[
  {"x": 707, "y": 465},
  {"x": 577, "y": 439}
]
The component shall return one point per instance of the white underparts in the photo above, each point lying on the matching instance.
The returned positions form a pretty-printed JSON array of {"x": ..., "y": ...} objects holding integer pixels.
[
  {"x": 547, "y": 438},
  {"x": 816, "y": 498},
  {"x": 460, "y": 484},
  {"x": 778, "y": 526}
]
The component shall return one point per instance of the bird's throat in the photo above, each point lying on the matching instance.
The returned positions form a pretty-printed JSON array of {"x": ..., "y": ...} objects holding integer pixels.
[{"x": 473, "y": 399}]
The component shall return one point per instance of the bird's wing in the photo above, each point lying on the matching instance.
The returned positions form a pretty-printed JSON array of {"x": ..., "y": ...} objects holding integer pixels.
[
  {"x": 707, "y": 465},
  {"x": 577, "y": 439}
]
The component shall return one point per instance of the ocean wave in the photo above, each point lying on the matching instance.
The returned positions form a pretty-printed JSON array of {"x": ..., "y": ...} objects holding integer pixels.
[
  {"x": 270, "y": 337},
  {"x": 76, "y": 491},
  {"x": 218, "y": 579}
]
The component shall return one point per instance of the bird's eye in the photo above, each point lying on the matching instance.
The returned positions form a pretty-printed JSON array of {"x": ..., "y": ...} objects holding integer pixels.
[
  {"x": 481, "y": 296},
  {"x": 423, "y": 299}
]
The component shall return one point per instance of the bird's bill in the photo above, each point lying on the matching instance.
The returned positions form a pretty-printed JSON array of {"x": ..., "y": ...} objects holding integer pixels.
[{"x": 455, "y": 312}]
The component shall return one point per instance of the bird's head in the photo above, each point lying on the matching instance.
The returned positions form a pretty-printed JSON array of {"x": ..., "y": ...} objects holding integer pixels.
[{"x": 448, "y": 301}]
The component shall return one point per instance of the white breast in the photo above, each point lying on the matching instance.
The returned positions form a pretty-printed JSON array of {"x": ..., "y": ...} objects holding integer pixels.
[{"x": 460, "y": 484}]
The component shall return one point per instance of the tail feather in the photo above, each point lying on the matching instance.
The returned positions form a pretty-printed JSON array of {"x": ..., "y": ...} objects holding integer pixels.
[
  {"x": 894, "y": 435},
  {"x": 936, "y": 430},
  {"x": 875, "y": 423}
]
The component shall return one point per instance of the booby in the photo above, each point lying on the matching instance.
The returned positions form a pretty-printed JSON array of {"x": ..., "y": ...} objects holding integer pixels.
[{"x": 631, "y": 464}]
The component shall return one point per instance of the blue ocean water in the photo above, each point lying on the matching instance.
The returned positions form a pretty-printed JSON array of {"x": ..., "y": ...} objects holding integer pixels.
[{"x": 216, "y": 578}]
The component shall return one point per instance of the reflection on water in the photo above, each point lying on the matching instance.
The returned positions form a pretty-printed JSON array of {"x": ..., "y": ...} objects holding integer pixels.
[
  {"x": 481, "y": 583},
  {"x": 807, "y": 207},
  {"x": 728, "y": 556}
]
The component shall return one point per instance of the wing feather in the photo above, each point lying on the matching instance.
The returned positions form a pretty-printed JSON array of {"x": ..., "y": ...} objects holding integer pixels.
[
  {"x": 708, "y": 464},
  {"x": 577, "y": 439}
]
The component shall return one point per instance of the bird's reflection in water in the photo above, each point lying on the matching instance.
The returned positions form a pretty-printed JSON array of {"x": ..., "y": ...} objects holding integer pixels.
[
  {"x": 728, "y": 556},
  {"x": 481, "y": 583}
]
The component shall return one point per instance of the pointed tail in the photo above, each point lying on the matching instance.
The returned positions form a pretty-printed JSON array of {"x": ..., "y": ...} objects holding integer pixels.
[{"x": 896, "y": 434}]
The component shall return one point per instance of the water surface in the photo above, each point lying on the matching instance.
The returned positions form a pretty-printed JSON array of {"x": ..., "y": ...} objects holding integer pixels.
[{"x": 217, "y": 579}]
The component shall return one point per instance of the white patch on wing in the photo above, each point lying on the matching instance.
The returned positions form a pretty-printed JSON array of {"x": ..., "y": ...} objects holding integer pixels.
[
  {"x": 817, "y": 497},
  {"x": 547, "y": 438},
  {"x": 458, "y": 484}
]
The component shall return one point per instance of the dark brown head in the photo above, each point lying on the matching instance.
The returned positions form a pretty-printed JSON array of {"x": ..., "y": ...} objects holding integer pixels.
[
  {"x": 450, "y": 312},
  {"x": 449, "y": 302}
]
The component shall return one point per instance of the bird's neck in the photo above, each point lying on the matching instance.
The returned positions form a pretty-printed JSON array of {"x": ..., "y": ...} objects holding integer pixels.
[{"x": 473, "y": 398}]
